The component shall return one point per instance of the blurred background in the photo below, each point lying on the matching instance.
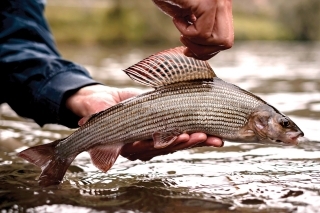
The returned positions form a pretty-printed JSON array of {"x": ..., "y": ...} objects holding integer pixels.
[
  {"x": 276, "y": 56},
  {"x": 110, "y": 22}
]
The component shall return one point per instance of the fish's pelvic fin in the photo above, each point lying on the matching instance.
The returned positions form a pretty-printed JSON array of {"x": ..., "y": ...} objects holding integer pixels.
[
  {"x": 164, "y": 139},
  {"x": 53, "y": 167},
  {"x": 104, "y": 156},
  {"x": 169, "y": 66}
]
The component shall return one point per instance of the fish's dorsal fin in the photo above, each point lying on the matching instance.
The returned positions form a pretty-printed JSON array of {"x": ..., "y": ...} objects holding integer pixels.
[{"x": 169, "y": 66}]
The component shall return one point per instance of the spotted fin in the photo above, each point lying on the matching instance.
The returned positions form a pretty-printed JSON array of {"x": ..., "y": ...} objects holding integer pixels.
[{"x": 169, "y": 66}]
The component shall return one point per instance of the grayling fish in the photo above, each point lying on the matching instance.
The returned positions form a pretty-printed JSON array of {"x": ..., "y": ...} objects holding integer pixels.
[{"x": 188, "y": 98}]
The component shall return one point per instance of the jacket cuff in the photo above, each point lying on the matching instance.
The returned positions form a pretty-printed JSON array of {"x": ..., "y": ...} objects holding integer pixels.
[{"x": 54, "y": 93}]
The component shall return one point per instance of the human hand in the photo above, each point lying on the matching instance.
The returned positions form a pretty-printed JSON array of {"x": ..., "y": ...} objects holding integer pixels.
[
  {"x": 92, "y": 99},
  {"x": 206, "y": 26}
]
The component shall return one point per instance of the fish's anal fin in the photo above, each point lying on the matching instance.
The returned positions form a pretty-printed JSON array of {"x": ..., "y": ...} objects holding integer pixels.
[
  {"x": 164, "y": 139},
  {"x": 169, "y": 66},
  {"x": 104, "y": 156}
]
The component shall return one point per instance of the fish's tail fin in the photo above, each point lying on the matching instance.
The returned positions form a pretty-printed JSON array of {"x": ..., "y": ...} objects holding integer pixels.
[{"x": 53, "y": 167}]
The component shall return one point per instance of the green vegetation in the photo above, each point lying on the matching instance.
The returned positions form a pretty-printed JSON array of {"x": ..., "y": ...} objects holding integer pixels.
[
  {"x": 301, "y": 18},
  {"x": 119, "y": 24},
  {"x": 253, "y": 27},
  {"x": 140, "y": 22}
]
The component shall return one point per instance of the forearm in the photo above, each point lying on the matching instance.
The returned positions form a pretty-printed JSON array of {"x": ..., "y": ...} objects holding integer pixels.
[
  {"x": 34, "y": 79},
  {"x": 37, "y": 88}
]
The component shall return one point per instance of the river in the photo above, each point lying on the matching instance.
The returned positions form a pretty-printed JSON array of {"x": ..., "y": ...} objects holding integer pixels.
[{"x": 235, "y": 178}]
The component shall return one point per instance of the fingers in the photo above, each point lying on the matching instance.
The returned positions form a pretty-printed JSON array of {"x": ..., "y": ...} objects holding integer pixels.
[
  {"x": 211, "y": 141},
  {"x": 144, "y": 150},
  {"x": 201, "y": 27},
  {"x": 194, "y": 139},
  {"x": 213, "y": 23},
  {"x": 209, "y": 32},
  {"x": 198, "y": 51},
  {"x": 95, "y": 98},
  {"x": 214, "y": 141},
  {"x": 136, "y": 148}
]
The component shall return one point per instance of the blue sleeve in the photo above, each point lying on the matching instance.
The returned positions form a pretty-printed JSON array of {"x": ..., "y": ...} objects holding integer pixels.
[{"x": 34, "y": 80}]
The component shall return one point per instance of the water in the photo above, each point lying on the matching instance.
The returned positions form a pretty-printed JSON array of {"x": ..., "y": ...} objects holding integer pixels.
[{"x": 235, "y": 178}]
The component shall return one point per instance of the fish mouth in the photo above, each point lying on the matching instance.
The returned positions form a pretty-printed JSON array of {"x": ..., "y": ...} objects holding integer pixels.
[
  {"x": 291, "y": 139},
  {"x": 294, "y": 137}
]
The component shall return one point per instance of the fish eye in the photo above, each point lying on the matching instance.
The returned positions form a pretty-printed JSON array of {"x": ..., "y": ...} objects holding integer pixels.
[{"x": 284, "y": 122}]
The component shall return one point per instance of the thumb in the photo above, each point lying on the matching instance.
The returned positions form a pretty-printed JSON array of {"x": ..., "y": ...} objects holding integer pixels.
[
  {"x": 185, "y": 24},
  {"x": 126, "y": 93},
  {"x": 117, "y": 95}
]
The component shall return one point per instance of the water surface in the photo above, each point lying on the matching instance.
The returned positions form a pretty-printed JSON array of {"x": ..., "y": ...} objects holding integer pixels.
[{"x": 235, "y": 178}]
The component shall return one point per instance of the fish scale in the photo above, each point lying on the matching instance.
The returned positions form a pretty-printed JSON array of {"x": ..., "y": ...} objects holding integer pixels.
[
  {"x": 131, "y": 122},
  {"x": 188, "y": 98}
]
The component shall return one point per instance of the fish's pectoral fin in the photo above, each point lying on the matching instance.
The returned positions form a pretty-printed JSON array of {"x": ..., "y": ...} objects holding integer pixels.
[
  {"x": 164, "y": 139},
  {"x": 104, "y": 156},
  {"x": 247, "y": 134},
  {"x": 169, "y": 66}
]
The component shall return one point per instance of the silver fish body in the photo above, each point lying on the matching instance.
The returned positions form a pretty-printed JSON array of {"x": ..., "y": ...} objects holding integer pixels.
[
  {"x": 215, "y": 108},
  {"x": 188, "y": 98}
]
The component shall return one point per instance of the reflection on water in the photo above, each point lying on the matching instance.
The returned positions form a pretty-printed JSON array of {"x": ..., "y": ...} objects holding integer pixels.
[{"x": 236, "y": 178}]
